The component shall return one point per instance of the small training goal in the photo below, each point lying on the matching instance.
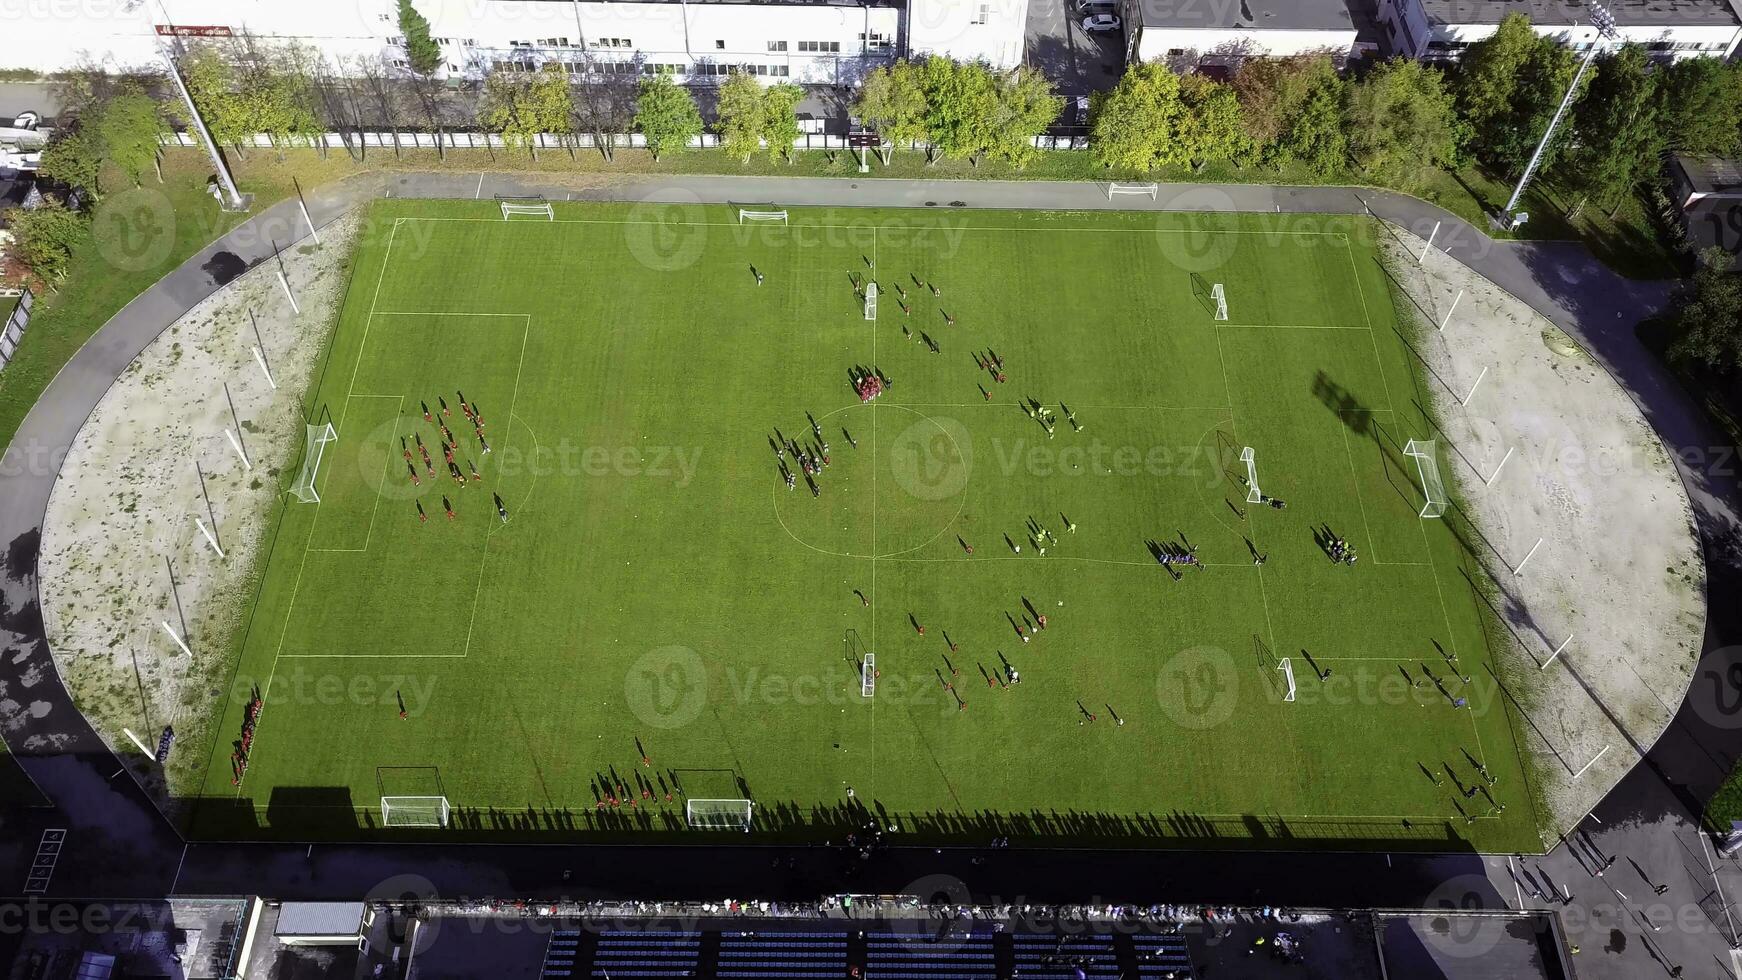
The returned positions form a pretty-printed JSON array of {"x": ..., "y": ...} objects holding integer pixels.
[
  {"x": 1220, "y": 297},
  {"x": 414, "y": 811},
  {"x": 1116, "y": 188},
  {"x": 871, "y": 300},
  {"x": 318, "y": 438},
  {"x": 718, "y": 814},
  {"x": 527, "y": 209},
  {"x": 1250, "y": 458},
  {"x": 1427, "y": 466},
  {"x": 868, "y": 676},
  {"x": 760, "y": 214},
  {"x": 1287, "y": 668}
]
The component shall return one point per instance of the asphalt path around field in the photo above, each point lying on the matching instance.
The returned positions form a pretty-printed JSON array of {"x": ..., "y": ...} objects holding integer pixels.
[{"x": 121, "y": 846}]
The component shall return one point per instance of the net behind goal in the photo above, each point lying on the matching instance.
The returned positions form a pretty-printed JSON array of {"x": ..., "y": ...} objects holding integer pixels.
[
  {"x": 718, "y": 814},
  {"x": 414, "y": 811},
  {"x": 318, "y": 438},
  {"x": 1427, "y": 466}
]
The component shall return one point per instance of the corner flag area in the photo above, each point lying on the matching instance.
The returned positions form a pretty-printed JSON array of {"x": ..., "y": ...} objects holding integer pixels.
[{"x": 933, "y": 517}]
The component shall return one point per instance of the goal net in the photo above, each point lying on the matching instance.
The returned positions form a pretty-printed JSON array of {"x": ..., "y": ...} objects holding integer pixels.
[
  {"x": 1427, "y": 467},
  {"x": 868, "y": 676},
  {"x": 1220, "y": 297},
  {"x": 1147, "y": 190},
  {"x": 414, "y": 811},
  {"x": 753, "y": 214},
  {"x": 871, "y": 300},
  {"x": 1253, "y": 494},
  {"x": 1287, "y": 668},
  {"x": 527, "y": 209},
  {"x": 318, "y": 437},
  {"x": 718, "y": 814}
]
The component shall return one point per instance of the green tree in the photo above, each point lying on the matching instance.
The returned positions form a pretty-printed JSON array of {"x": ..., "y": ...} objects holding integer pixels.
[
  {"x": 1542, "y": 84},
  {"x": 1708, "y": 319},
  {"x": 961, "y": 107},
  {"x": 892, "y": 102},
  {"x": 1489, "y": 70},
  {"x": 666, "y": 115},
  {"x": 1619, "y": 135},
  {"x": 1210, "y": 130},
  {"x": 780, "y": 105},
  {"x": 1026, "y": 106},
  {"x": 743, "y": 116},
  {"x": 131, "y": 127},
  {"x": 1700, "y": 105},
  {"x": 1401, "y": 123},
  {"x": 212, "y": 82},
  {"x": 1135, "y": 125},
  {"x": 523, "y": 107},
  {"x": 47, "y": 236},
  {"x": 1292, "y": 112},
  {"x": 74, "y": 156},
  {"x": 421, "y": 51}
]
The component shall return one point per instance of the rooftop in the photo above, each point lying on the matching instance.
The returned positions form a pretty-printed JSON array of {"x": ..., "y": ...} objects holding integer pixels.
[
  {"x": 1260, "y": 15},
  {"x": 1628, "y": 13},
  {"x": 319, "y": 919}
]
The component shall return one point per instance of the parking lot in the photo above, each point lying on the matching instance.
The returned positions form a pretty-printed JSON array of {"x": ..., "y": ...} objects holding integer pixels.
[{"x": 1078, "y": 62}]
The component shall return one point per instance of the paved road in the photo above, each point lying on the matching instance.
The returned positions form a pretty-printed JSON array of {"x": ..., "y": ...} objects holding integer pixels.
[{"x": 122, "y": 846}]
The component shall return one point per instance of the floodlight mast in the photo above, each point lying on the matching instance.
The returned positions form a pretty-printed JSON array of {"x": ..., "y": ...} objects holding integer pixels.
[{"x": 1604, "y": 22}]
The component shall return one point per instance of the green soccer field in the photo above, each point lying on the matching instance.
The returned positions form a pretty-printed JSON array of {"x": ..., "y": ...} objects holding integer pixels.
[{"x": 660, "y": 614}]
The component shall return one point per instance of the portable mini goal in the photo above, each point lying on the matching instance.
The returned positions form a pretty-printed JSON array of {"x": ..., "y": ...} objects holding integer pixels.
[
  {"x": 1427, "y": 466},
  {"x": 868, "y": 676},
  {"x": 1148, "y": 190},
  {"x": 760, "y": 214},
  {"x": 1220, "y": 295},
  {"x": 527, "y": 209},
  {"x": 718, "y": 814},
  {"x": 871, "y": 300},
  {"x": 1247, "y": 456},
  {"x": 318, "y": 437},
  {"x": 1287, "y": 668},
  {"x": 414, "y": 811}
]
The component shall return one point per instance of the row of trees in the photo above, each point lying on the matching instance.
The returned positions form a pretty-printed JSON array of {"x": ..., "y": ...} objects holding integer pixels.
[
  {"x": 1398, "y": 122},
  {"x": 963, "y": 111}
]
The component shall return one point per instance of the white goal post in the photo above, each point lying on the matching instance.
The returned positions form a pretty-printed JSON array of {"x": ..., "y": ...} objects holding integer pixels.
[
  {"x": 871, "y": 300},
  {"x": 755, "y": 214},
  {"x": 1250, "y": 458},
  {"x": 414, "y": 811},
  {"x": 719, "y": 814},
  {"x": 1220, "y": 295},
  {"x": 1427, "y": 466},
  {"x": 868, "y": 676},
  {"x": 1287, "y": 668},
  {"x": 318, "y": 437},
  {"x": 541, "y": 209},
  {"x": 1115, "y": 187}
]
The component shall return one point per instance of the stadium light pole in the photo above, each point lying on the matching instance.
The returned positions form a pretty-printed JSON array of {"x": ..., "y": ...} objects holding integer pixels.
[{"x": 1604, "y": 22}]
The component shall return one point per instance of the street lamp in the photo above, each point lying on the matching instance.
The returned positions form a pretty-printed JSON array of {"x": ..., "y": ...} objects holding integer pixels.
[{"x": 1604, "y": 22}]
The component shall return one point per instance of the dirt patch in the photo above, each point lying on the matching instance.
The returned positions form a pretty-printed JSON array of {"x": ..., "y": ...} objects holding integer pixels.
[
  {"x": 123, "y": 522},
  {"x": 1618, "y": 576}
]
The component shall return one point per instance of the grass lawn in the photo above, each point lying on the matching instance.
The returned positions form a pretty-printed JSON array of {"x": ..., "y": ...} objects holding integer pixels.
[{"x": 657, "y": 592}]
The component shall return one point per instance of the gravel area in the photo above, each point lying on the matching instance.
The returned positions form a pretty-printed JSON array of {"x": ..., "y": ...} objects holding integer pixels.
[
  {"x": 1618, "y": 576},
  {"x": 121, "y": 524}
]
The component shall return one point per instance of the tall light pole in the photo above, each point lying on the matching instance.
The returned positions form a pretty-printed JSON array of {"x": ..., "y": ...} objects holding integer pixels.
[
  {"x": 1604, "y": 22},
  {"x": 233, "y": 199}
]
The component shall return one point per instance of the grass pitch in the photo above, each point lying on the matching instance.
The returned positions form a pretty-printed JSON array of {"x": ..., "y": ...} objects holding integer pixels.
[{"x": 660, "y": 613}]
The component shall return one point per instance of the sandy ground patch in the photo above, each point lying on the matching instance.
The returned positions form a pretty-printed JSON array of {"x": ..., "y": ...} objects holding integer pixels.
[
  {"x": 121, "y": 523},
  {"x": 1618, "y": 576}
]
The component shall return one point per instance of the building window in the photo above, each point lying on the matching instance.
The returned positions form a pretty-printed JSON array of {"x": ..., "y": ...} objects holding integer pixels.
[
  {"x": 820, "y": 47},
  {"x": 782, "y": 71},
  {"x": 777, "y": 46},
  {"x": 719, "y": 45},
  {"x": 983, "y": 14}
]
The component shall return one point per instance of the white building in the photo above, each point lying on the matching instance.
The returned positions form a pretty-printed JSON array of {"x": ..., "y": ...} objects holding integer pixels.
[
  {"x": 807, "y": 41},
  {"x": 1178, "y": 31},
  {"x": 1669, "y": 29}
]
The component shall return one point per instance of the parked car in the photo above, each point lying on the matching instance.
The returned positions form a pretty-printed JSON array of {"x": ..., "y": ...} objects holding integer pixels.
[{"x": 1100, "y": 22}]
